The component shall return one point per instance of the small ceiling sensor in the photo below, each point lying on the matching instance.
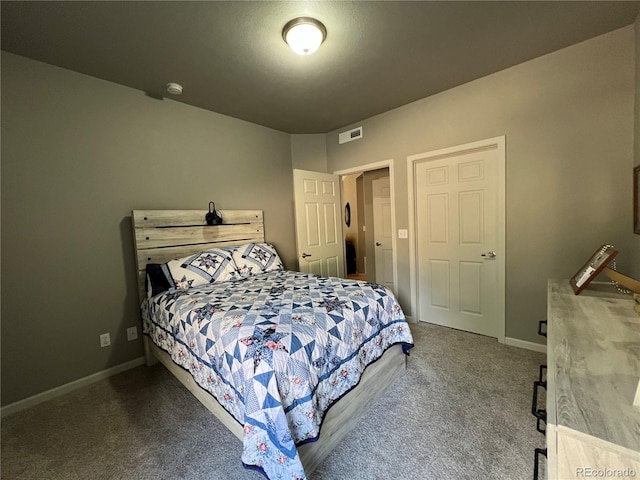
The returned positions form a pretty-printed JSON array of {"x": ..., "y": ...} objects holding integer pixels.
[{"x": 174, "y": 88}]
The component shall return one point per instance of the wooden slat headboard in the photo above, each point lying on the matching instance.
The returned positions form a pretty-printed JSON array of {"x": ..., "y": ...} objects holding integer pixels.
[{"x": 162, "y": 235}]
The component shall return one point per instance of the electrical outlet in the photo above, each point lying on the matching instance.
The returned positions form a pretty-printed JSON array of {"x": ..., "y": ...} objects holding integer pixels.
[
  {"x": 105, "y": 340},
  {"x": 403, "y": 233},
  {"x": 132, "y": 333}
]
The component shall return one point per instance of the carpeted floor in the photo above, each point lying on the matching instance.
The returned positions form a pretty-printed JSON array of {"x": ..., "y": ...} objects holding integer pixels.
[{"x": 461, "y": 411}]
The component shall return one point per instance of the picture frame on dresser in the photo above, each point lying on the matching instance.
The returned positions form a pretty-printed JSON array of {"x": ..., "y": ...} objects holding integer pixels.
[{"x": 593, "y": 267}]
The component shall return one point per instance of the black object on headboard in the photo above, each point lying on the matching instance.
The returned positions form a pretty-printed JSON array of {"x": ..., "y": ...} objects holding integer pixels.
[{"x": 212, "y": 217}]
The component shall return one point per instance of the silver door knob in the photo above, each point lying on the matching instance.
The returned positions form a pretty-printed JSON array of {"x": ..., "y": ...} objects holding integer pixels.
[
  {"x": 490, "y": 254},
  {"x": 305, "y": 255}
]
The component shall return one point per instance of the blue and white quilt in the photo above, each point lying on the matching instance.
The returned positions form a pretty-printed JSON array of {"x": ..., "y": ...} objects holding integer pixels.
[{"x": 277, "y": 350}]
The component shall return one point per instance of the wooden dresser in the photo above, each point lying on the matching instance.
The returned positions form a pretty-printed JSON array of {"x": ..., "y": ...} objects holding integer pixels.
[{"x": 593, "y": 370}]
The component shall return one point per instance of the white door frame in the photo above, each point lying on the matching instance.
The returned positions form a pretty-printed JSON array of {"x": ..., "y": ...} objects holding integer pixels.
[
  {"x": 499, "y": 143},
  {"x": 375, "y": 166}
]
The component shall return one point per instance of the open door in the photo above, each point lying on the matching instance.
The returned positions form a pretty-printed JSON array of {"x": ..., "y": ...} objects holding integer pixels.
[
  {"x": 318, "y": 223},
  {"x": 383, "y": 232}
]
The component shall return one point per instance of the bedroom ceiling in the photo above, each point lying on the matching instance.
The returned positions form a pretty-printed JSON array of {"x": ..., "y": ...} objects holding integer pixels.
[{"x": 230, "y": 57}]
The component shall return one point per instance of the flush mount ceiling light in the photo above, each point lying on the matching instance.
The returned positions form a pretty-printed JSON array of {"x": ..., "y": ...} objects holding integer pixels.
[{"x": 304, "y": 35}]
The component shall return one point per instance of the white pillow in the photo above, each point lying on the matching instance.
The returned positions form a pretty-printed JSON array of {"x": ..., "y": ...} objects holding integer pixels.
[
  {"x": 254, "y": 258},
  {"x": 210, "y": 266}
]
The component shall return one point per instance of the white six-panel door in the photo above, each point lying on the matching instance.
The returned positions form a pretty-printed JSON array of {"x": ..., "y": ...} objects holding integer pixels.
[
  {"x": 459, "y": 239},
  {"x": 318, "y": 223},
  {"x": 383, "y": 232}
]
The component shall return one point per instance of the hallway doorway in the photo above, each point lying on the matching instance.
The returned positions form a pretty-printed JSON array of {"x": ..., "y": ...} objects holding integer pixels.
[{"x": 359, "y": 224}]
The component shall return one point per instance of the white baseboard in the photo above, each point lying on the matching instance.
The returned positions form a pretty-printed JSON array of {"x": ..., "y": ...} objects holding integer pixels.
[
  {"x": 515, "y": 342},
  {"x": 69, "y": 387}
]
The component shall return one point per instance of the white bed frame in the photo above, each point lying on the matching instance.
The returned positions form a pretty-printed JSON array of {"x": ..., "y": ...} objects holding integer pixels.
[{"x": 162, "y": 235}]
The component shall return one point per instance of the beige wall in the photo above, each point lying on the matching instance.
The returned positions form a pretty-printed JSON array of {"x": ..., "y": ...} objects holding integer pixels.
[
  {"x": 362, "y": 235},
  {"x": 350, "y": 195},
  {"x": 78, "y": 154},
  {"x": 309, "y": 152},
  {"x": 568, "y": 122},
  {"x": 634, "y": 271},
  {"x": 637, "y": 88}
]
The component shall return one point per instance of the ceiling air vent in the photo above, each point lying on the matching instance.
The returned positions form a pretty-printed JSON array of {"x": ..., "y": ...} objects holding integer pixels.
[{"x": 350, "y": 135}]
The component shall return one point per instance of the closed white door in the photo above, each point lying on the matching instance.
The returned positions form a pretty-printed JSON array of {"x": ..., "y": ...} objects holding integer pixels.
[
  {"x": 318, "y": 223},
  {"x": 459, "y": 238},
  {"x": 382, "y": 232}
]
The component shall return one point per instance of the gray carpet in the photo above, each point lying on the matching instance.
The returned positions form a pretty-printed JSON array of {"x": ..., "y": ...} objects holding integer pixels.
[{"x": 461, "y": 411}]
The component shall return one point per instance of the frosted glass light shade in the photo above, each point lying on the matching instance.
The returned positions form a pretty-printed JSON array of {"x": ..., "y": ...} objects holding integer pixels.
[{"x": 304, "y": 35}]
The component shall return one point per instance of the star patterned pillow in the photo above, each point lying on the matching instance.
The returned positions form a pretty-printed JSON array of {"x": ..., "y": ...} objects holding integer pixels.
[
  {"x": 210, "y": 266},
  {"x": 254, "y": 258}
]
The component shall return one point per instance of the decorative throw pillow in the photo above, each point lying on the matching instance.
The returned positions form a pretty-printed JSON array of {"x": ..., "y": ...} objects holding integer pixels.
[
  {"x": 210, "y": 266},
  {"x": 255, "y": 258},
  {"x": 158, "y": 279}
]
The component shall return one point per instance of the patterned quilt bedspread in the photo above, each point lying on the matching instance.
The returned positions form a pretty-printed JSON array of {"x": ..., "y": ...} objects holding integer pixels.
[{"x": 276, "y": 350}]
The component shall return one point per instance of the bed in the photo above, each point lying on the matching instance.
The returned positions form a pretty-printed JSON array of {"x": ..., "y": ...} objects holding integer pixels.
[{"x": 287, "y": 361}]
